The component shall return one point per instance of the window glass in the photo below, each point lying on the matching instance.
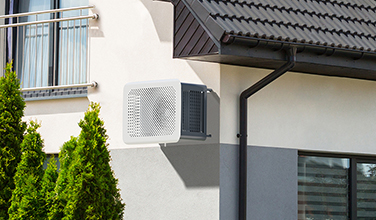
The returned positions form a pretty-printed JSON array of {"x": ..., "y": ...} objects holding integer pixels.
[
  {"x": 34, "y": 5},
  {"x": 73, "y": 43},
  {"x": 33, "y": 45},
  {"x": 322, "y": 188},
  {"x": 366, "y": 191},
  {"x": 73, "y": 3}
]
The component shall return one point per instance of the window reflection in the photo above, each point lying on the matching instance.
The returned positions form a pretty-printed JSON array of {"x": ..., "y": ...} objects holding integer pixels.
[
  {"x": 322, "y": 188},
  {"x": 366, "y": 191}
]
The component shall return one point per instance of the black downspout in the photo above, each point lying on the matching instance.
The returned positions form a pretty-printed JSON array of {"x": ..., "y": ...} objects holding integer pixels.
[{"x": 291, "y": 56}]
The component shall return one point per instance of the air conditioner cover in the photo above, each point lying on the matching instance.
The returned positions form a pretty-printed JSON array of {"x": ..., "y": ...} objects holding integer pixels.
[{"x": 152, "y": 112}]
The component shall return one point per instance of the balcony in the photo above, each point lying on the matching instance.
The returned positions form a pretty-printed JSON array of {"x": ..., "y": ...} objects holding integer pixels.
[{"x": 49, "y": 49}]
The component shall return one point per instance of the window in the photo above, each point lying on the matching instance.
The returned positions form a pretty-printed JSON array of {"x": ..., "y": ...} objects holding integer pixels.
[
  {"x": 48, "y": 53},
  {"x": 56, "y": 157},
  {"x": 366, "y": 190},
  {"x": 332, "y": 188}
]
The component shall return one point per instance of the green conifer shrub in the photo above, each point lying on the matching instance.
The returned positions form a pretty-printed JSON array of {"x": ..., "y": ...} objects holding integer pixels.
[
  {"x": 61, "y": 191},
  {"x": 48, "y": 187},
  {"x": 11, "y": 135},
  {"x": 94, "y": 193},
  {"x": 27, "y": 199}
]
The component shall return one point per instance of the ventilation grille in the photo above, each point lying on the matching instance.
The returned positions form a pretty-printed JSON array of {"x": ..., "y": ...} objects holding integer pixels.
[
  {"x": 192, "y": 111},
  {"x": 151, "y": 111}
]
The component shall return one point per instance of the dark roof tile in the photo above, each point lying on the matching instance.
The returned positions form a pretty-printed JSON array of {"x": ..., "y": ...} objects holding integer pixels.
[{"x": 340, "y": 23}]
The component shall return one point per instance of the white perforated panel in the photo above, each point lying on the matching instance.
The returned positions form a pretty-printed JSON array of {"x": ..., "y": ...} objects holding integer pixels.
[{"x": 152, "y": 112}]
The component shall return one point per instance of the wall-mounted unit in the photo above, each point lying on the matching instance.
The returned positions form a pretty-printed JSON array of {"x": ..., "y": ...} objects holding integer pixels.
[{"x": 164, "y": 111}]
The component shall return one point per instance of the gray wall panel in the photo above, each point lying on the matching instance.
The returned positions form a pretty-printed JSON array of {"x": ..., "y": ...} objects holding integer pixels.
[
  {"x": 228, "y": 182},
  {"x": 272, "y": 183}
]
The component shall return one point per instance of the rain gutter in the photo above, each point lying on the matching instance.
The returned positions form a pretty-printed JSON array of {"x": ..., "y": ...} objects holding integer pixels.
[{"x": 231, "y": 38}]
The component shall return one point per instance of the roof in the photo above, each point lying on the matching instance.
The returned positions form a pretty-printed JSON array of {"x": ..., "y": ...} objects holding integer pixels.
[
  {"x": 339, "y": 35},
  {"x": 342, "y": 23}
]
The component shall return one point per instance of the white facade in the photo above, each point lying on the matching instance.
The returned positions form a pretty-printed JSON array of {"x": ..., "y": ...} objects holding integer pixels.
[
  {"x": 132, "y": 41},
  {"x": 301, "y": 111}
]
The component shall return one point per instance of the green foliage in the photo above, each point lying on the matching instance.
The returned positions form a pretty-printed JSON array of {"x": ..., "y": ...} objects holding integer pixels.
[
  {"x": 48, "y": 187},
  {"x": 61, "y": 189},
  {"x": 11, "y": 135},
  {"x": 93, "y": 192},
  {"x": 85, "y": 188},
  {"x": 27, "y": 200}
]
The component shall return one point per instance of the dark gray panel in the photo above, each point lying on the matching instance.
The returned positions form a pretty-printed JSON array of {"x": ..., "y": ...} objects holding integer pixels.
[
  {"x": 272, "y": 183},
  {"x": 194, "y": 111},
  {"x": 228, "y": 182}
]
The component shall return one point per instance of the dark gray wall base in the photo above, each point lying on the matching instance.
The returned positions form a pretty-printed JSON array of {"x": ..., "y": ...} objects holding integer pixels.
[{"x": 272, "y": 183}]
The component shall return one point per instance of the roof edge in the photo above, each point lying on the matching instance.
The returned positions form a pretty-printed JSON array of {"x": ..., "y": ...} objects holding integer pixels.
[
  {"x": 355, "y": 54},
  {"x": 202, "y": 15}
]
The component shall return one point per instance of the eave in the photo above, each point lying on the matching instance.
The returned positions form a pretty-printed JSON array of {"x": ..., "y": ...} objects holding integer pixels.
[
  {"x": 196, "y": 28},
  {"x": 309, "y": 59}
]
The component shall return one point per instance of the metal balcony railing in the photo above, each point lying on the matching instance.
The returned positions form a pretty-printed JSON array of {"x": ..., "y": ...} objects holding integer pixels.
[{"x": 49, "y": 48}]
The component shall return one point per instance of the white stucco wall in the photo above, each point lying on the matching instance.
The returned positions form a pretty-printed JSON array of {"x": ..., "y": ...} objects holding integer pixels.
[
  {"x": 132, "y": 41},
  {"x": 301, "y": 111},
  {"x": 127, "y": 45}
]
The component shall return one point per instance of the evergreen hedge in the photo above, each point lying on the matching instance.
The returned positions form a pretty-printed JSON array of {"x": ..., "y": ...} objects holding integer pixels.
[
  {"x": 11, "y": 135},
  {"x": 27, "y": 199},
  {"x": 85, "y": 187},
  {"x": 66, "y": 157},
  {"x": 48, "y": 187},
  {"x": 93, "y": 191}
]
